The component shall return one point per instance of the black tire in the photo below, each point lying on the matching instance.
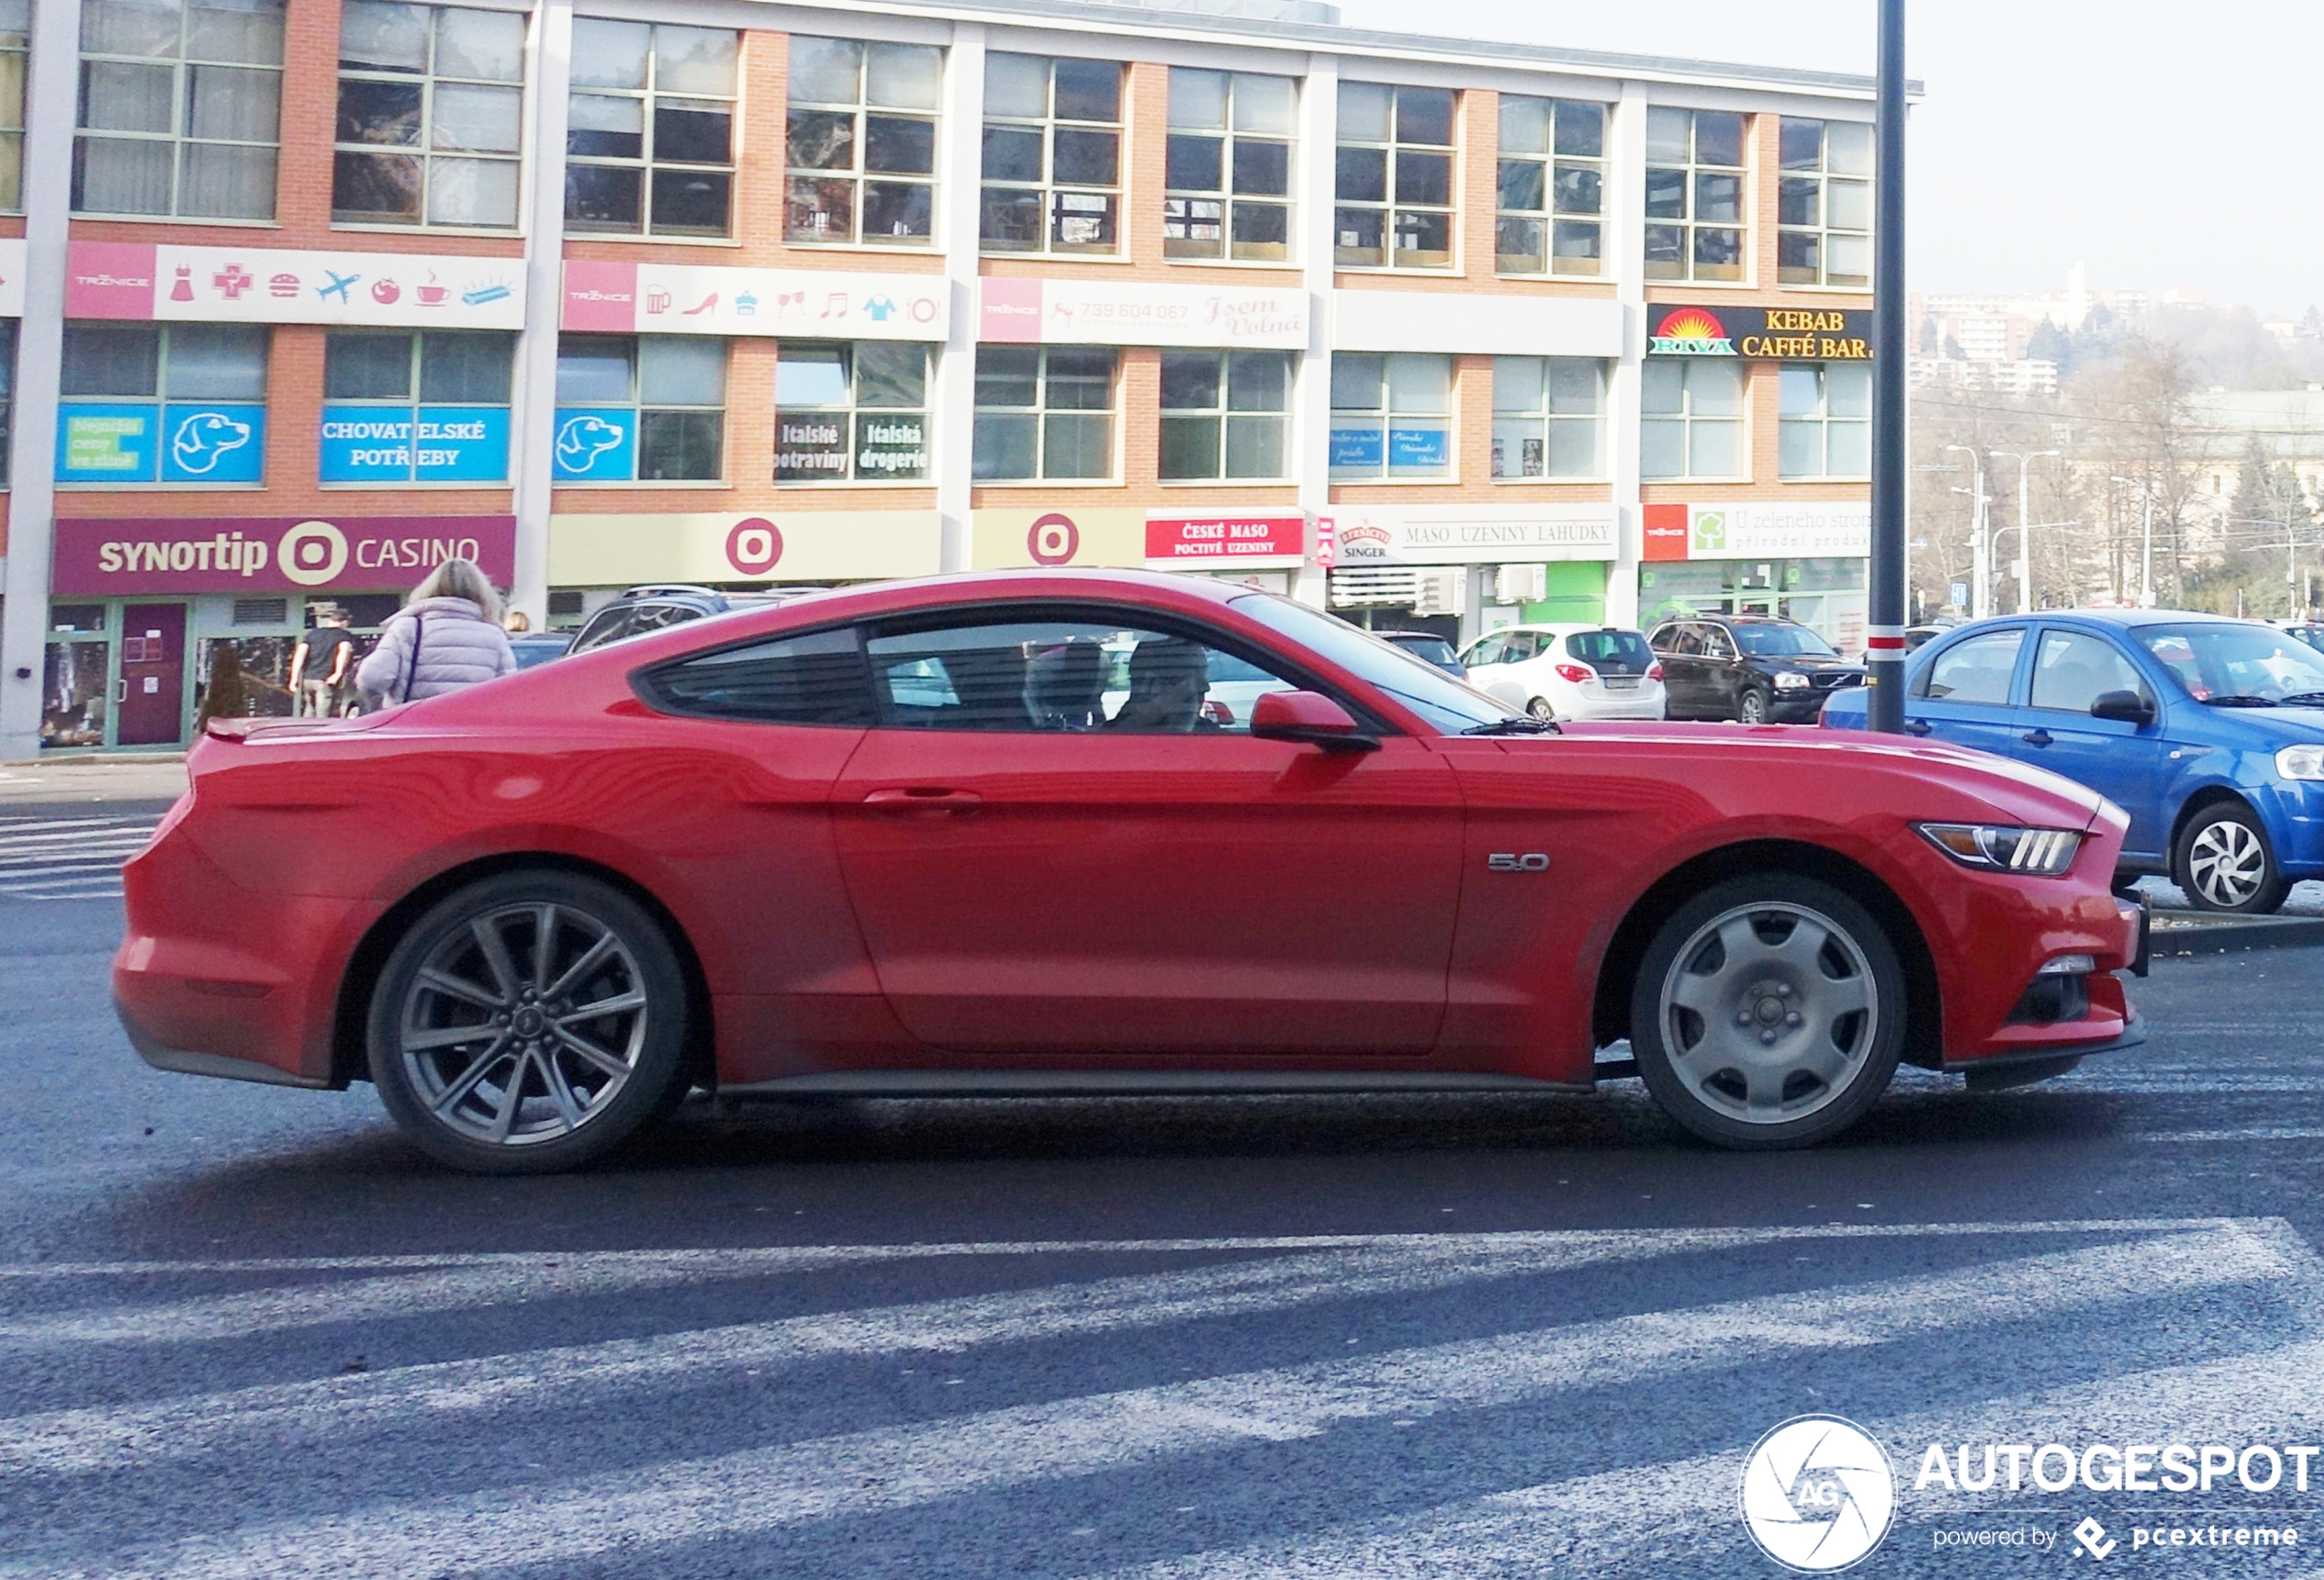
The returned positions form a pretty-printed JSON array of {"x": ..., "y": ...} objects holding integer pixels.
[
  {"x": 1705, "y": 1083},
  {"x": 1541, "y": 708},
  {"x": 561, "y": 1088},
  {"x": 2225, "y": 863},
  {"x": 1753, "y": 707}
]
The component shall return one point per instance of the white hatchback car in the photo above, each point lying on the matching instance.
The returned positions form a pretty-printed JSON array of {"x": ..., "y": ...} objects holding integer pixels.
[{"x": 1568, "y": 671}]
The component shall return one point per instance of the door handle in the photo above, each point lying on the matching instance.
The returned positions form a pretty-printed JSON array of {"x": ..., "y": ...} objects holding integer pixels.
[
  {"x": 923, "y": 800},
  {"x": 2037, "y": 738},
  {"x": 121, "y": 690},
  {"x": 1917, "y": 726}
]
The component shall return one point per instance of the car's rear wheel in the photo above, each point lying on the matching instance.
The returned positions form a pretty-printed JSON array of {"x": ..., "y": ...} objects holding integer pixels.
[
  {"x": 529, "y": 1023},
  {"x": 1752, "y": 708},
  {"x": 1769, "y": 1012},
  {"x": 1541, "y": 708},
  {"x": 2224, "y": 861}
]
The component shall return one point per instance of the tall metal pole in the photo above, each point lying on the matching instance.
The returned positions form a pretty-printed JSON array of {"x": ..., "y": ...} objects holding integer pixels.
[
  {"x": 1884, "y": 638},
  {"x": 2147, "y": 571}
]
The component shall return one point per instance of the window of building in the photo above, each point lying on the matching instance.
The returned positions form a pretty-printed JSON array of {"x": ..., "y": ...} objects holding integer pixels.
[
  {"x": 171, "y": 403},
  {"x": 1228, "y": 171},
  {"x": 649, "y": 408},
  {"x": 431, "y": 99},
  {"x": 180, "y": 108},
  {"x": 15, "y": 43},
  {"x": 1391, "y": 417},
  {"x": 861, "y": 142},
  {"x": 1224, "y": 414},
  {"x": 426, "y": 407},
  {"x": 650, "y": 129},
  {"x": 1823, "y": 204},
  {"x": 1052, "y": 156},
  {"x": 851, "y": 413},
  {"x": 1393, "y": 177},
  {"x": 1549, "y": 418},
  {"x": 1693, "y": 195},
  {"x": 1693, "y": 418},
  {"x": 7, "y": 392},
  {"x": 1553, "y": 187},
  {"x": 1043, "y": 412},
  {"x": 1826, "y": 423}
]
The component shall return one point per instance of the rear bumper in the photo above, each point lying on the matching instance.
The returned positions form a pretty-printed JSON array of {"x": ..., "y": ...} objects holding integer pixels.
[{"x": 186, "y": 1061}]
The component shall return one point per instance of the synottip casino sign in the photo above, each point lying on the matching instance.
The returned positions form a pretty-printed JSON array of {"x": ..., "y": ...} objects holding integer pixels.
[{"x": 1761, "y": 334}]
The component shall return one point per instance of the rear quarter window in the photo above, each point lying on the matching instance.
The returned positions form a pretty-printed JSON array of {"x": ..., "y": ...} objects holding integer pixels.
[{"x": 815, "y": 678}]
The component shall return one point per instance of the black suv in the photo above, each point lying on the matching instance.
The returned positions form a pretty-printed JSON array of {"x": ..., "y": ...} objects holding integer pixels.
[
  {"x": 641, "y": 609},
  {"x": 1753, "y": 667}
]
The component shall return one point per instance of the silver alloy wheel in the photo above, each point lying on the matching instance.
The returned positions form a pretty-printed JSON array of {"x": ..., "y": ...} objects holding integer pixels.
[
  {"x": 1752, "y": 709},
  {"x": 1542, "y": 708},
  {"x": 2227, "y": 864},
  {"x": 524, "y": 1026},
  {"x": 1769, "y": 1012}
]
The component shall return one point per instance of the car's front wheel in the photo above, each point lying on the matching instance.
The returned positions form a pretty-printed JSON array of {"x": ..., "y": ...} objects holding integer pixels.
[
  {"x": 2224, "y": 861},
  {"x": 1752, "y": 707},
  {"x": 1769, "y": 1012},
  {"x": 528, "y": 1022}
]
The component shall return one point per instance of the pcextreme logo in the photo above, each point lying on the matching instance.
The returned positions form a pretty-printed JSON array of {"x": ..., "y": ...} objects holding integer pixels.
[{"x": 1818, "y": 1494}]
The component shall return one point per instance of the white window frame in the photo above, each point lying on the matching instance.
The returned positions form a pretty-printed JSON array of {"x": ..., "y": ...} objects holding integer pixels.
[
  {"x": 1540, "y": 422},
  {"x": 1043, "y": 414},
  {"x": 853, "y": 413},
  {"x": 1383, "y": 413},
  {"x": 800, "y": 198},
  {"x": 426, "y": 154},
  {"x": 1796, "y": 416},
  {"x": 1055, "y": 195},
  {"x": 16, "y": 38},
  {"x": 1564, "y": 177},
  {"x": 648, "y": 163},
  {"x": 1187, "y": 210},
  {"x": 1690, "y": 227},
  {"x": 180, "y": 137},
  {"x": 1391, "y": 205},
  {"x": 640, "y": 408},
  {"x": 1225, "y": 416},
  {"x": 1687, "y": 420},
  {"x": 1807, "y": 187}
]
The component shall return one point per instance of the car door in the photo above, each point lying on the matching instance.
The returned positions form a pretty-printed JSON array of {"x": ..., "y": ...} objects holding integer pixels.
[
  {"x": 1679, "y": 647},
  {"x": 1147, "y": 883},
  {"x": 1482, "y": 659},
  {"x": 1723, "y": 678},
  {"x": 2121, "y": 760},
  {"x": 1961, "y": 693}
]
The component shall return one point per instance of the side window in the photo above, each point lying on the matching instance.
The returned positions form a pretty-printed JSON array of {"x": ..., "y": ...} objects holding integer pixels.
[
  {"x": 2073, "y": 670},
  {"x": 1487, "y": 651},
  {"x": 653, "y": 616},
  {"x": 605, "y": 626},
  {"x": 1076, "y": 674},
  {"x": 1715, "y": 644},
  {"x": 1664, "y": 639},
  {"x": 1687, "y": 642},
  {"x": 1976, "y": 670},
  {"x": 816, "y": 678}
]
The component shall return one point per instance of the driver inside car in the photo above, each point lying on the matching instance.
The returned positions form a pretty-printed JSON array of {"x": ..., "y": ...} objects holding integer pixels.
[{"x": 1169, "y": 680}]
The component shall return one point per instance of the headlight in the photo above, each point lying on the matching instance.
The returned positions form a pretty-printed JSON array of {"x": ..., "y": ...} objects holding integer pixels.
[
  {"x": 1791, "y": 683},
  {"x": 2300, "y": 762},
  {"x": 2036, "y": 851}
]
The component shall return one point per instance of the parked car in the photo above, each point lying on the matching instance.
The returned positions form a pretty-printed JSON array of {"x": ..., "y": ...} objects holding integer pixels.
[
  {"x": 1568, "y": 671},
  {"x": 1428, "y": 647},
  {"x": 827, "y": 846},
  {"x": 1917, "y": 637},
  {"x": 2313, "y": 635},
  {"x": 636, "y": 611},
  {"x": 538, "y": 647},
  {"x": 2208, "y": 732},
  {"x": 1755, "y": 669}
]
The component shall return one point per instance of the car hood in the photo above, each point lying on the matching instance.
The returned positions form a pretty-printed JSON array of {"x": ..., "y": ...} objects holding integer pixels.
[
  {"x": 2015, "y": 792},
  {"x": 2273, "y": 726}
]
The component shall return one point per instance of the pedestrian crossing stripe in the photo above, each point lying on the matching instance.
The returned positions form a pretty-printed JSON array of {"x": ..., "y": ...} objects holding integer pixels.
[{"x": 68, "y": 858}]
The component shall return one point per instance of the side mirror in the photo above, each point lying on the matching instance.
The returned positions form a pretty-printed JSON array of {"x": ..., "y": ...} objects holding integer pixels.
[
  {"x": 2128, "y": 707},
  {"x": 1310, "y": 718}
]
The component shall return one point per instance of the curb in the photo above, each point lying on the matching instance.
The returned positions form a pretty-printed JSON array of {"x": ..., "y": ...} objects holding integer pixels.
[{"x": 2206, "y": 936}]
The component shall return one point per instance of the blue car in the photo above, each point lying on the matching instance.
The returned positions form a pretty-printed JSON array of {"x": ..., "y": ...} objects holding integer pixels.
[{"x": 2208, "y": 731}]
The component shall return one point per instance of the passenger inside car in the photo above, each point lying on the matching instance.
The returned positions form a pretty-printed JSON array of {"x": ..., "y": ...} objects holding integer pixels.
[{"x": 1168, "y": 678}]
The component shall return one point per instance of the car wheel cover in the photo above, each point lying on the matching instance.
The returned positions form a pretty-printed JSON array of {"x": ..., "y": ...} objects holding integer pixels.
[
  {"x": 1754, "y": 709},
  {"x": 523, "y": 1024},
  {"x": 1542, "y": 708},
  {"x": 1769, "y": 1013},
  {"x": 2226, "y": 864}
]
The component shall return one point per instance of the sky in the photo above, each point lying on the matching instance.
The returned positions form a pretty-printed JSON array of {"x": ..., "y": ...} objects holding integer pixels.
[{"x": 2161, "y": 143}]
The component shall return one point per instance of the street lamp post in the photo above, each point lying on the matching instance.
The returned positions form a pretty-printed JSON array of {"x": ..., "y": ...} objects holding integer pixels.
[
  {"x": 1884, "y": 633},
  {"x": 2025, "y": 528},
  {"x": 2146, "y": 542},
  {"x": 1980, "y": 545}
]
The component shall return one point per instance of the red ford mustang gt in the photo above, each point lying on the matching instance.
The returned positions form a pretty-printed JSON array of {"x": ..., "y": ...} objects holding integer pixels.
[{"x": 1073, "y": 831}]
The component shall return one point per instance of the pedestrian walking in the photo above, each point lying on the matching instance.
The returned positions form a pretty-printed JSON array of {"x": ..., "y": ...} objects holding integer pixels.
[
  {"x": 227, "y": 697},
  {"x": 445, "y": 637},
  {"x": 322, "y": 663}
]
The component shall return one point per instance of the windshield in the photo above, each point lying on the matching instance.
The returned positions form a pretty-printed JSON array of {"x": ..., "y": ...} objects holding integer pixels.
[
  {"x": 1782, "y": 642},
  {"x": 1444, "y": 702},
  {"x": 1611, "y": 653},
  {"x": 2241, "y": 661}
]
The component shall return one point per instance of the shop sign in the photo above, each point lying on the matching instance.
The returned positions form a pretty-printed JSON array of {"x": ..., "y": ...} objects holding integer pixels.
[
  {"x": 1128, "y": 313},
  {"x": 1838, "y": 530},
  {"x": 1761, "y": 334},
  {"x": 621, "y": 549},
  {"x": 143, "y": 442},
  {"x": 595, "y": 447},
  {"x": 708, "y": 299},
  {"x": 136, "y": 556},
  {"x": 1047, "y": 535},
  {"x": 145, "y": 281},
  {"x": 380, "y": 444},
  {"x": 1506, "y": 324},
  {"x": 1226, "y": 537},
  {"x": 1471, "y": 534}
]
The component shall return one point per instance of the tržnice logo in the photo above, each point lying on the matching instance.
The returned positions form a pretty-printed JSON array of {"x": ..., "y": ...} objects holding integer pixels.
[{"x": 1818, "y": 1494}]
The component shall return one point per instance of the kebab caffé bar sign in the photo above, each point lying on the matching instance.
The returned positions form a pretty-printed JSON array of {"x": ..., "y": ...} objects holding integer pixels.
[{"x": 1761, "y": 334}]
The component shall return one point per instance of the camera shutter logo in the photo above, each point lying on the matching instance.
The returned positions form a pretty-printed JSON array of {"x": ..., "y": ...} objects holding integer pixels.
[
  {"x": 312, "y": 553},
  {"x": 754, "y": 545},
  {"x": 1054, "y": 540},
  {"x": 1818, "y": 1494}
]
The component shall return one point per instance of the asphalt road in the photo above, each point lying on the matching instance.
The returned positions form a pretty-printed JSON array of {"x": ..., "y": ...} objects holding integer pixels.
[{"x": 248, "y": 1332}]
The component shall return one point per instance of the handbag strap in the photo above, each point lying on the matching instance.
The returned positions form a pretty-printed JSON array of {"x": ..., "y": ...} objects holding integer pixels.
[{"x": 412, "y": 658}]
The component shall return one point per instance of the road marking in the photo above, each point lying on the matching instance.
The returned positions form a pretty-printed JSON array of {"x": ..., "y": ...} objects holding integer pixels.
[
  {"x": 68, "y": 858},
  {"x": 565, "y": 1524}
]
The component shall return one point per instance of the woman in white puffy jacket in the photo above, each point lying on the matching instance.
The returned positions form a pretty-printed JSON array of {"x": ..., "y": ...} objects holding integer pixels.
[{"x": 446, "y": 636}]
